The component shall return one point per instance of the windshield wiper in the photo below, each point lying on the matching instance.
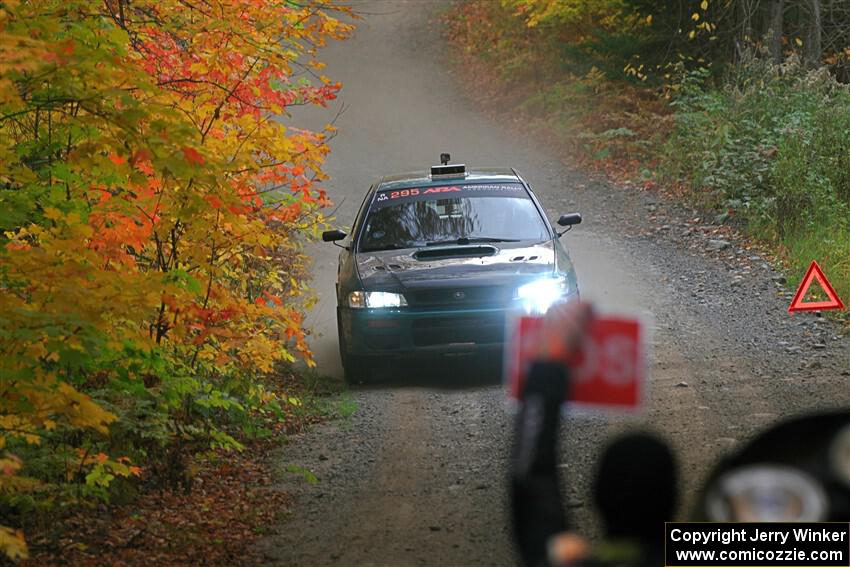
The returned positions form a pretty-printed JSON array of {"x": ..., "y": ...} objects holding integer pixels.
[
  {"x": 386, "y": 247},
  {"x": 467, "y": 240}
]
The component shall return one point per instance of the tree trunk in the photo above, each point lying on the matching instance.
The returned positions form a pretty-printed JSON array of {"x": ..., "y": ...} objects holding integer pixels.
[
  {"x": 745, "y": 17},
  {"x": 775, "y": 25},
  {"x": 814, "y": 49}
]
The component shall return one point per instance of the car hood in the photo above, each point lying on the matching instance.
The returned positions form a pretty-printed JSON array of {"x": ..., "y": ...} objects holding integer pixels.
[{"x": 501, "y": 263}]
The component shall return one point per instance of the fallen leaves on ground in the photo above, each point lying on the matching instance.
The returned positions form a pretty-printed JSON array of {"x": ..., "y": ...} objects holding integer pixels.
[
  {"x": 232, "y": 500},
  {"x": 229, "y": 501}
]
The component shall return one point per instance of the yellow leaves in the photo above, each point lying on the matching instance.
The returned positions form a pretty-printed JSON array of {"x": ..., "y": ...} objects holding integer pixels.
[
  {"x": 70, "y": 221},
  {"x": 702, "y": 24},
  {"x": 265, "y": 396},
  {"x": 571, "y": 13},
  {"x": 48, "y": 400},
  {"x": 119, "y": 259},
  {"x": 19, "y": 427},
  {"x": 52, "y": 213},
  {"x": 12, "y": 543},
  {"x": 8, "y": 6},
  {"x": 124, "y": 208},
  {"x": 798, "y": 41},
  {"x": 648, "y": 19},
  {"x": 635, "y": 71}
]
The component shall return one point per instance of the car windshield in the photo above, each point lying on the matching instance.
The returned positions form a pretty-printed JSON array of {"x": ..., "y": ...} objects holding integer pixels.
[{"x": 463, "y": 214}]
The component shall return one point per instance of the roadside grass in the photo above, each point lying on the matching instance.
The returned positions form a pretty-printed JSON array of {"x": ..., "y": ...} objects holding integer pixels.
[
  {"x": 770, "y": 146},
  {"x": 319, "y": 383},
  {"x": 327, "y": 396},
  {"x": 831, "y": 249},
  {"x": 322, "y": 399}
]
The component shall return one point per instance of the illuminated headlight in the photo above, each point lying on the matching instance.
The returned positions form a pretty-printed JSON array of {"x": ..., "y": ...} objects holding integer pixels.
[
  {"x": 375, "y": 299},
  {"x": 538, "y": 296}
]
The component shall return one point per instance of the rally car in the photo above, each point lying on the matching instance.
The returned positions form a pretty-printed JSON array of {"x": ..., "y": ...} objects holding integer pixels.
[{"x": 436, "y": 263}]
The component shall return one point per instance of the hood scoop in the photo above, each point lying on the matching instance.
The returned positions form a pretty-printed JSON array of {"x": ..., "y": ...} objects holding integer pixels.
[{"x": 455, "y": 252}]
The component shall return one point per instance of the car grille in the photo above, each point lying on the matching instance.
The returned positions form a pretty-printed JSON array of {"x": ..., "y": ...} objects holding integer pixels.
[
  {"x": 434, "y": 331},
  {"x": 482, "y": 296}
]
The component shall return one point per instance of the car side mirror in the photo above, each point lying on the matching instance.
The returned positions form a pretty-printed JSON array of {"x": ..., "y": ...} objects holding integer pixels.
[
  {"x": 333, "y": 235},
  {"x": 569, "y": 219}
]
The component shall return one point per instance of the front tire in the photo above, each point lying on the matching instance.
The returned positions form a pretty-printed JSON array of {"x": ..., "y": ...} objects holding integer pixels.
[{"x": 357, "y": 369}]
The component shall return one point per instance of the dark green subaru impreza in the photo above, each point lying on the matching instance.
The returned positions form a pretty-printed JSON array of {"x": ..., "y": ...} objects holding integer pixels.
[{"x": 436, "y": 264}]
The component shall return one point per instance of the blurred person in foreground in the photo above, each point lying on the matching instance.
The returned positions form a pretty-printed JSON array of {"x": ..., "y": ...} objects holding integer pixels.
[{"x": 634, "y": 488}]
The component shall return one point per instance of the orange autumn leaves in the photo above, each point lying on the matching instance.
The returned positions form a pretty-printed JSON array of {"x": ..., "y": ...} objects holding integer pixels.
[{"x": 153, "y": 205}]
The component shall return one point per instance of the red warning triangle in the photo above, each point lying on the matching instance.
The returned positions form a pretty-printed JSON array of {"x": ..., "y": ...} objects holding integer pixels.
[{"x": 815, "y": 273}]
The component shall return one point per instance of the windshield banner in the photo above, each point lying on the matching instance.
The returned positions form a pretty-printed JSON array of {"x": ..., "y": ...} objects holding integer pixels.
[{"x": 390, "y": 197}]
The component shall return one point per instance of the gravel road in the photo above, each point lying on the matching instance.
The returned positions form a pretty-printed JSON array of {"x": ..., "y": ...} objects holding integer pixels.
[{"x": 416, "y": 476}]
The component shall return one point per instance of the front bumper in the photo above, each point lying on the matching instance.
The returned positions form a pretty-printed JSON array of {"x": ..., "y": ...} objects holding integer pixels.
[{"x": 410, "y": 332}]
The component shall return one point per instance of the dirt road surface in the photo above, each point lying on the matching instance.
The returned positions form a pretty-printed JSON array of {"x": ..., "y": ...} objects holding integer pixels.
[{"x": 416, "y": 476}]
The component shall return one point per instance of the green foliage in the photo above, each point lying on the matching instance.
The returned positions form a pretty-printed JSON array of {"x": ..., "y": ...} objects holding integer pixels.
[
  {"x": 547, "y": 39},
  {"x": 771, "y": 146},
  {"x": 765, "y": 143},
  {"x": 568, "y": 77}
]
